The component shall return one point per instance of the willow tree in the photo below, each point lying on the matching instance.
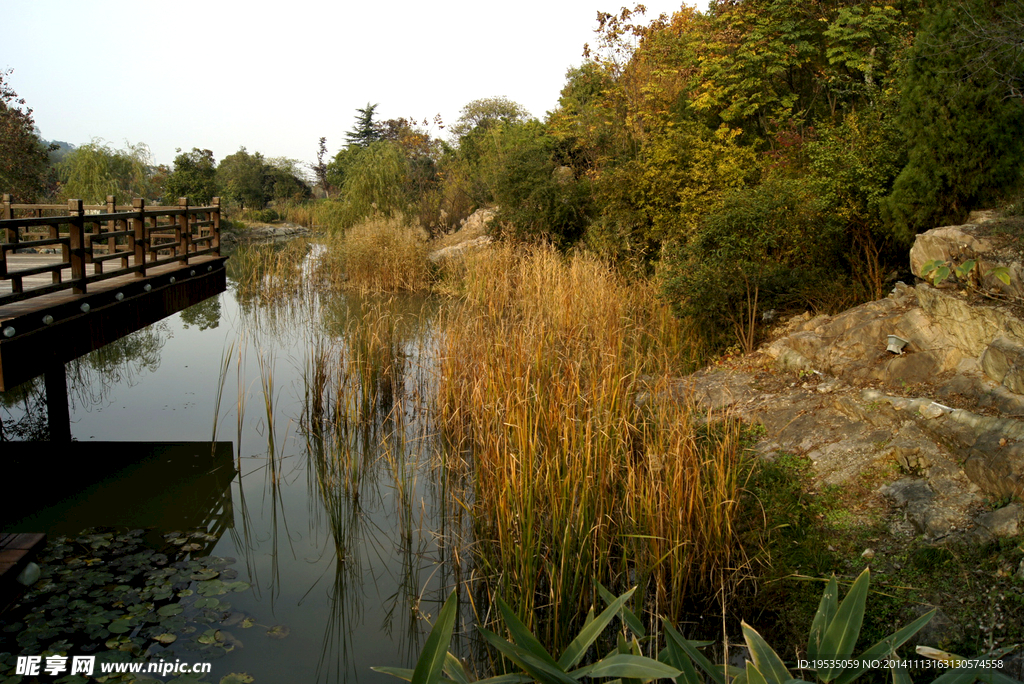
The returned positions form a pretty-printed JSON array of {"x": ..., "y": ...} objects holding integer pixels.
[{"x": 95, "y": 170}]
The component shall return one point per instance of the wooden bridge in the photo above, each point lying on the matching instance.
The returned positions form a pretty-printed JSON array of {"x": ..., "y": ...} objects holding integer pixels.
[{"x": 74, "y": 278}]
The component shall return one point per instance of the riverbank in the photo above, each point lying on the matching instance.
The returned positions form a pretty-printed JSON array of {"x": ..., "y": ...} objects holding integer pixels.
[{"x": 239, "y": 232}]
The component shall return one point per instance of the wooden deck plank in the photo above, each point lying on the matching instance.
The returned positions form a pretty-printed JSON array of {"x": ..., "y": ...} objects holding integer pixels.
[
  {"x": 16, "y": 551},
  {"x": 27, "y": 306},
  {"x": 55, "y": 328}
]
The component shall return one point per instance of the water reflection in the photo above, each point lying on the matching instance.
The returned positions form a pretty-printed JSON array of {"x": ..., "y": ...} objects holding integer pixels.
[
  {"x": 91, "y": 379},
  {"x": 336, "y": 510},
  {"x": 164, "y": 486}
]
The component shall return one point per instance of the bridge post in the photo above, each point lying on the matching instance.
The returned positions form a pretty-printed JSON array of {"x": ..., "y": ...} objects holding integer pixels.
[
  {"x": 77, "y": 248},
  {"x": 139, "y": 239},
  {"x": 215, "y": 217},
  {"x": 58, "y": 418},
  {"x": 181, "y": 231},
  {"x": 11, "y": 233}
]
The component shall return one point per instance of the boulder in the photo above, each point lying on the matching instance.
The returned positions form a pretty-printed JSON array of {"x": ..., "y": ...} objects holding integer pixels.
[
  {"x": 971, "y": 328},
  {"x": 955, "y": 245},
  {"x": 1003, "y": 361},
  {"x": 951, "y": 244},
  {"x": 996, "y": 465},
  {"x": 1002, "y": 522}
]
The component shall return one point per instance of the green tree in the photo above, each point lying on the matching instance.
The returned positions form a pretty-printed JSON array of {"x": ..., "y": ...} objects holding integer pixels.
[
  {"x": 194, "y": 176},
  {"x": 240, "y": 177},
  {"x": 487, "y": 111},
  {"x": 376, "y": 180},
  {"x": 761, "y": 250},
  {"x": 24, "y": 164},
  {"x": 95, "y": 170},
  {"x": 962, "y": 115},
  {"x": 283, "y": 179},
  {"x": 365, "y": 132}
]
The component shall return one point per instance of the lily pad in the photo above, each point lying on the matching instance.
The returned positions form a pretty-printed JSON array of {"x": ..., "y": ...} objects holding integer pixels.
[
  {"x": 165, "y": 638},
  {"x": 119, "y": 626},
  {"x": 170, "y": 609},
  {"x": 237, "y": 678},
  {"x": 278, "y": 632},
  {"x": 211, "y": 636},
  {"x": 205, "y": 574},
  {"x": 211, "y": 588},
  {"x": 248, "y": 622}
]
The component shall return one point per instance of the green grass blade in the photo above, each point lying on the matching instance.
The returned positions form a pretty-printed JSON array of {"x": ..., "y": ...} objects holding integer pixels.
[
  {"x": 675, "y": 656},
  {"x": 827, "y": 608},
  {"x": 633, "y": 667},
  {"x": 754, "y": 675},
  {"x": 400, "y": 672},
  {"x": 886, "y": 646},
  {"x": 575, "y": 650},
  {"x": 694, "y": 655},
  {"x": 454, "y": 669},
  {"x": 506, "y": 679},
  {"x": 768, "y": 662},
  {"x": 435, "y": 650},
  {"x": 841, "y": 636},
  {"x": 957, "y": 676},
  {"x": 521, "y": 634},
  {"x": 541, "y": 670},
  {"x": 900, "y": 676},
  {"x": 628, "y": 616}
]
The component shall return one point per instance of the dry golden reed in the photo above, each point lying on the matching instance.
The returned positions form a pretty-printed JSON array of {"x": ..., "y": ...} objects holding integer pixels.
[
  {"x": 548, "y": 365},
  {"x": 377, "y": 255}
]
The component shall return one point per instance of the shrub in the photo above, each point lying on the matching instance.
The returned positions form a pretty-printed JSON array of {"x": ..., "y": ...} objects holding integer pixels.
[{"x": 765, "y": 246}]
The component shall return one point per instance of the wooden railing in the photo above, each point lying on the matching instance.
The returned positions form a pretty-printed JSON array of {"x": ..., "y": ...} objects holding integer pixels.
[{"x": 137, "y": 236}]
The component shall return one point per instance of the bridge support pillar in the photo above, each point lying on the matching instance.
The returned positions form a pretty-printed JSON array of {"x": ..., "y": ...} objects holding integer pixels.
[{"x": 58, "y": 417}]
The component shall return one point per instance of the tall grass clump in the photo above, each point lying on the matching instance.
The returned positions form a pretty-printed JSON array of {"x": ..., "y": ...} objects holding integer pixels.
[
  {"x": 587, "y": 464},
  {"x": 324, "y": 215},
  {"x": 269, "y": 273},
  {"x": 377, "y": 255}
]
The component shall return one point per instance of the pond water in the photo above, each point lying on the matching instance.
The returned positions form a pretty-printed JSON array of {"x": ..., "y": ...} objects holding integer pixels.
[{"x": 334, "y": 522}]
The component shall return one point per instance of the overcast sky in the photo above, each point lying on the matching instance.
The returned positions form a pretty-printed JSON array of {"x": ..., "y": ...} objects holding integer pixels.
[{"x": 274, "y": 77}]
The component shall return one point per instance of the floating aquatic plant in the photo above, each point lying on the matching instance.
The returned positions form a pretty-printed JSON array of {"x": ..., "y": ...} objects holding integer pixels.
[{"x": 111, "y": 594}]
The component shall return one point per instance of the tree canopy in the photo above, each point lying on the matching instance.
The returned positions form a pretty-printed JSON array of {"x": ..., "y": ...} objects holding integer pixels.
[
  {"x": 96, "y": 169},
  {"x": 194, "y": 177},
  {"x": 24, "y": 163}
]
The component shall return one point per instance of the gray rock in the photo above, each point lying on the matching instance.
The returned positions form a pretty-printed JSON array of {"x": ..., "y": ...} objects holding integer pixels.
[
  {"x": 912, "y": 449},
  {"x": 971, "y": 328},
  {"x": 906, "y": 491},
  {"x": 932, "y": 521},
  {"x": 1003, "y": 361},
  {"x": 456, "y": 251},
  {"x": 1003, "y": 522},
  {"x": 996, "y": 466},
  {"x": 940, "y": 632}
]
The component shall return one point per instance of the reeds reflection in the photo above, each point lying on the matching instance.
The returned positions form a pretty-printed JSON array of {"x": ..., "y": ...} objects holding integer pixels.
[{"x": 340, "y": 383}]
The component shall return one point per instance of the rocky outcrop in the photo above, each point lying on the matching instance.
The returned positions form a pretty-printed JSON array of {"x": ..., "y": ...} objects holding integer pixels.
[
  {"x": 981, "y": 240},
  {"x": 957, "y": 439},
  {"x": 472, "y": 234}
]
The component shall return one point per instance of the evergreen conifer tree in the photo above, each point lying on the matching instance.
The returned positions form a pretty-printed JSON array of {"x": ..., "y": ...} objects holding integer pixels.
[
  {"x": 365, "y": 132},
  {"x": 964, "y": 125}
]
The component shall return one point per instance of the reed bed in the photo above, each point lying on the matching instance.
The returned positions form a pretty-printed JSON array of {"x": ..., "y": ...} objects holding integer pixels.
[
  {"x": 269, "y": 273},
  {"x": 547, "y": 366},
  {"x": 377, "y": 255},
  {"x": 324, "y": 215}
]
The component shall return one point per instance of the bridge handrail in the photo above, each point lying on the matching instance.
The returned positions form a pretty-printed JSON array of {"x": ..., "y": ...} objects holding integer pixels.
[{"x": 130, "y": 235}]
